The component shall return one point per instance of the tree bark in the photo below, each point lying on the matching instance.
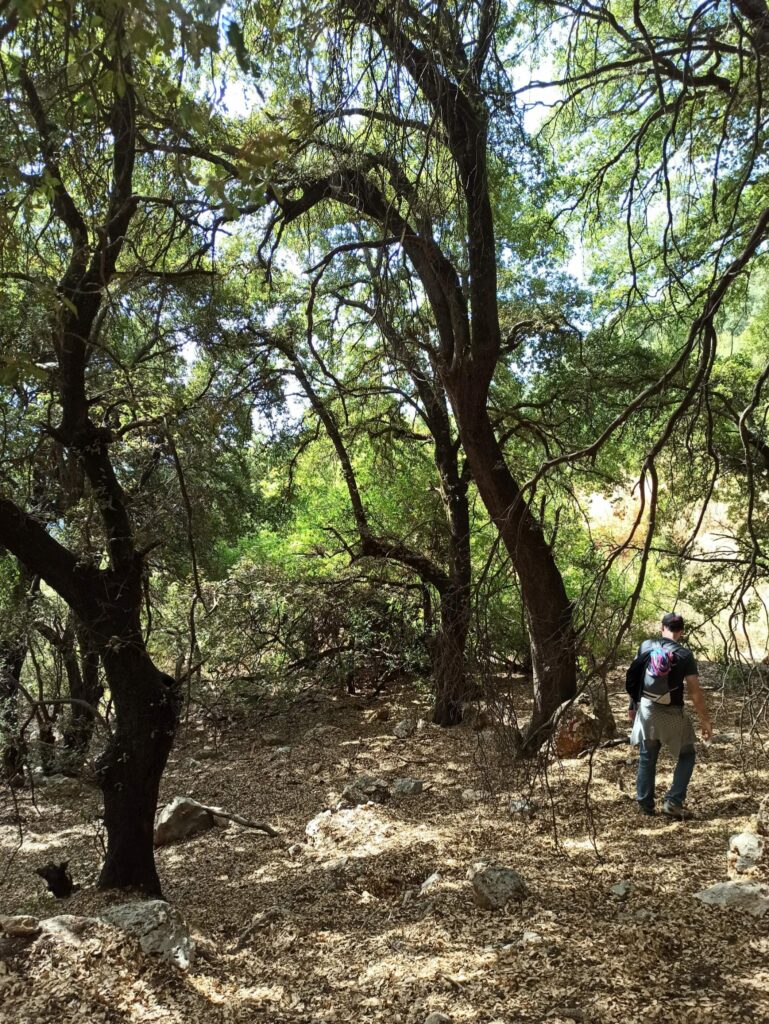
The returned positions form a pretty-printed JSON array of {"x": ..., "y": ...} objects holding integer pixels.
[
  {"x": 146, "y": 705},
  {"x": 13, "y": 654},
  {"x": 449, "y": 672},
  {"x": 107, "y": 601},
  {"x": 547, "y": 605},
  {"x": 12, "y": 657},
  {"x": 82, "y": 668}
]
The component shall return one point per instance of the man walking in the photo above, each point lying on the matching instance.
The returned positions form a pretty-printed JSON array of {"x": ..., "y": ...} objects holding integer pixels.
[{"x": 668, "y": 667}]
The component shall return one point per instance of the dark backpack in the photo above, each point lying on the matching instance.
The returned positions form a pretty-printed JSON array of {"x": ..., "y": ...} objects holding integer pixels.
[
  {"x": 634, "y": 678},
  {"x": 656, "y": 679}
]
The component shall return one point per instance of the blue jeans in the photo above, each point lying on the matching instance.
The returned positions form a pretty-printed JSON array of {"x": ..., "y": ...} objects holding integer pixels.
[{"x": 647, "y": 773}]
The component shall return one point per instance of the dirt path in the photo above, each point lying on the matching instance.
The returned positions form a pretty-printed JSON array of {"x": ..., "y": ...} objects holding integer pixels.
[{"x": 347, "y": 933}]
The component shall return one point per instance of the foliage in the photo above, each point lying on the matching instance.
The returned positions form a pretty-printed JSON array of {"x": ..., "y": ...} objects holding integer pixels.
[{"x": 644, "y": 377}]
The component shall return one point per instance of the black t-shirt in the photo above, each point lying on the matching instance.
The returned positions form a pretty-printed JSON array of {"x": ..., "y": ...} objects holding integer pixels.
[{"x": 685, "y": 665}]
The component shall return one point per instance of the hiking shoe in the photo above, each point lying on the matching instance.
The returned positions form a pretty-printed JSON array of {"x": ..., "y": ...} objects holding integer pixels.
[
  {"x": 646, "y": 810},
  {"x": 677, "y": 811}
]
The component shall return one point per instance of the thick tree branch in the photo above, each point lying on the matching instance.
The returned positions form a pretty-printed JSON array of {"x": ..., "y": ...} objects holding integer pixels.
[
  {"x": 353, "y": 188},
  {"x": 28, "y": 540}
]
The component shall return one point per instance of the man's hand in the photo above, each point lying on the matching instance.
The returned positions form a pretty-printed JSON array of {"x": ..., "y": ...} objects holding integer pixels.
[{"x": 706, "y": 728}]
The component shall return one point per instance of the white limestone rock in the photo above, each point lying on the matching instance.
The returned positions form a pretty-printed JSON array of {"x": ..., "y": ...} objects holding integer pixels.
[
  {"x": 180, "y": 819},
  {"x": 159, "y": 927},
  {"x": 746, "y": 851},
  {"x": 752, "y": 897}
]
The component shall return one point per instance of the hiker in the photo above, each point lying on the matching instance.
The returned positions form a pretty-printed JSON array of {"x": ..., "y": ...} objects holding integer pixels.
[{"x": 656, "y": 681}]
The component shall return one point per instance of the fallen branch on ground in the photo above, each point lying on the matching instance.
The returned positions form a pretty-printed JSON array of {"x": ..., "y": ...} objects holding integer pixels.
[{"x": 218, "y": 812}]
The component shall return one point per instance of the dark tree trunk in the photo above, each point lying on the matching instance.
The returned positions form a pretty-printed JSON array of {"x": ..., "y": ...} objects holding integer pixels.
[
  {"x": 108, "y": 600},
  {"x": 12, "y": 659},
  {"x": 466, "y": 315},
  {"x": 449, "y": 660},
  {"x": 548, "y": 609},
  {"x": 449, "y": 670},
  {"x": 47, "y": 740},
  {"x": 13, "y": 654},
  {"x": 84, "y": 686},
  {"x": 146, "y": 703},
  {"x": 428, "y": 625}
]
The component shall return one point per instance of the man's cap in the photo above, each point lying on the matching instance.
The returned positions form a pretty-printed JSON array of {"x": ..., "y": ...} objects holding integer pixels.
[{"x": 673, "y": 621}]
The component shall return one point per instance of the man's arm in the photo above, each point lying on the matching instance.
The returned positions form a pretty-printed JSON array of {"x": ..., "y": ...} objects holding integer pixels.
[{"x": 698, "y": 700}]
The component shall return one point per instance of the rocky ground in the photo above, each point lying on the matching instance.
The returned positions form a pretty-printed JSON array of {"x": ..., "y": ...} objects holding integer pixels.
[{"x": 369, "y": 915}]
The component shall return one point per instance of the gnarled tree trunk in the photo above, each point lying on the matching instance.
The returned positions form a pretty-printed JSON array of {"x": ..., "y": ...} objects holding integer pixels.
[
  {"x": 146, "y": 706},
  {"x": 449, "y": 672},
  {"x": 547, "y": 605},
  {"x": 448, "y": 76},
  {"x": 106, "y": 600}
]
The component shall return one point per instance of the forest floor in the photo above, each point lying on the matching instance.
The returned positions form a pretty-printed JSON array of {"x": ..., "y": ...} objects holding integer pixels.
[{"x": 359, "y": 939}]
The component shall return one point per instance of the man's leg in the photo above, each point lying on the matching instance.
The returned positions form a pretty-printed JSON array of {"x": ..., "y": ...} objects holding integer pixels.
[
  {"x": 676, "y": 795},
  {"x": 648, "y": 752}
]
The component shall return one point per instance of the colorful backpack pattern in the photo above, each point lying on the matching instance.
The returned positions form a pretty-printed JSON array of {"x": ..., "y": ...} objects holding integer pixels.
[{"x": 657, "y": 676}]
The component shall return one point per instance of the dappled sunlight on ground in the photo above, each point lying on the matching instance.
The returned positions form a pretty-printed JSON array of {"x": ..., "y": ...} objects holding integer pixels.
[{"x": 347, "y": 932}]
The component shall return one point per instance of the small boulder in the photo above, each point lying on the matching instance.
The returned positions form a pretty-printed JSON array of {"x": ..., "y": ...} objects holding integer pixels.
[
  {"x": 521, "y": 809},
  {"x": 494, "y": 886},
  {"x": 407, "y": 787},
  {"x": 181, "y": 818},
  {"x": 746, "y": 850},
  {"x": 752, "y": 897},
  {"x": 403, "y": 729},
  {"x": 62, "y": 787},
  {"x": 381, "y": 714},
  {"x": 159, "y": 927},
  {"x": 473, "y": 796},
  {"x": 349, "y": 829},
  {"x": 365, "y": 789},
  {"x": 20, "y": 926},
  {"x": 578, "y": 729},
  {"x": 437, "y": 1018},
  {"x": 621, "y": 889}
]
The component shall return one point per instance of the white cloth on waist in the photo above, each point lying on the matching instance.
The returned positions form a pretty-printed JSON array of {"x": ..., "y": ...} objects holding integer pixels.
[{"x": 662, "y": 723}]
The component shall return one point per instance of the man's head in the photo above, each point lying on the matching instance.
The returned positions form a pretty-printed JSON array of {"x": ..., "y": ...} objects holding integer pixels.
[{"x": 672, "y": 625}]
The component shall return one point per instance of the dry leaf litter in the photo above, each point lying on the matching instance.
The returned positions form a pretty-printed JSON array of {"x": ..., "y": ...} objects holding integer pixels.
[{"x": 366, "y": 914}]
